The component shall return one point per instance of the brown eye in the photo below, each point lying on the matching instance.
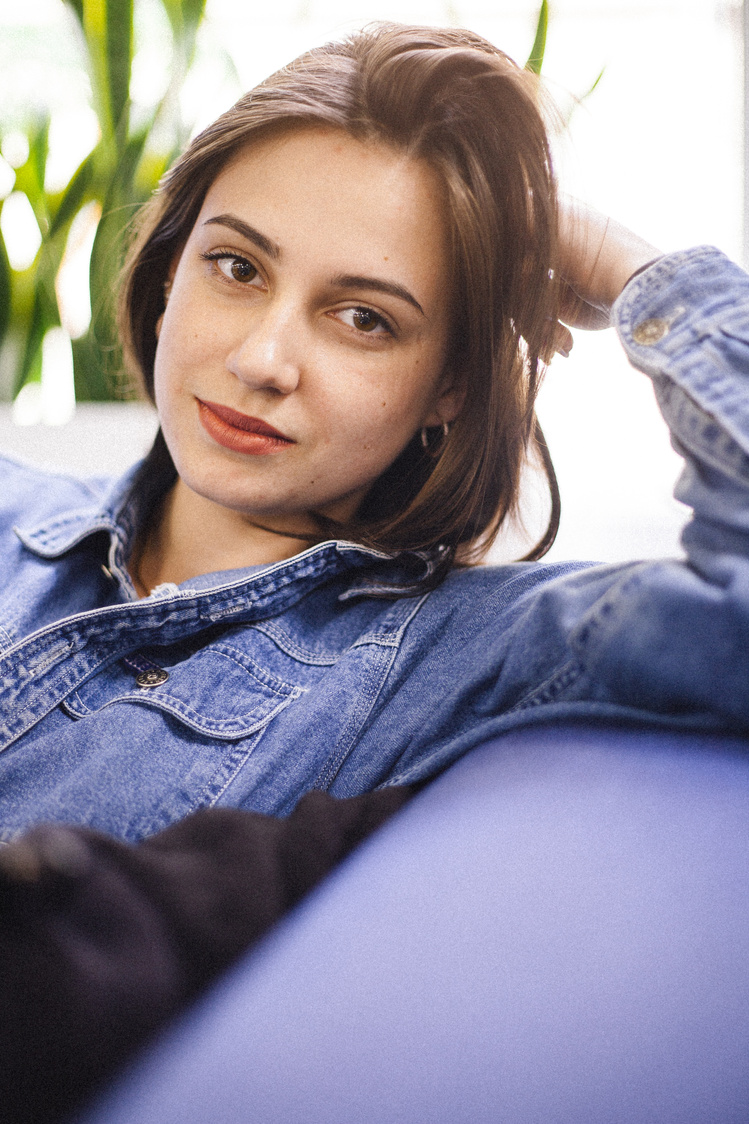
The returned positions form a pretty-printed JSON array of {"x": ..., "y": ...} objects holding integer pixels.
[
  {"x": 242, "y": 270},
  {"x": 365, "y": 319},
  {"x": 232, "y": 267}
]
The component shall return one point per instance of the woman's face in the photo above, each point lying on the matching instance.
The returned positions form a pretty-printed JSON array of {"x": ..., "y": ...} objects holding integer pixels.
[{"x": 305, "y": 334}]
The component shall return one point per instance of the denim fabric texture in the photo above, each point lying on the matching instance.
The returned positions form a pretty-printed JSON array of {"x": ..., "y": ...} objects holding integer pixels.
[{"x": 248, "y": 688}]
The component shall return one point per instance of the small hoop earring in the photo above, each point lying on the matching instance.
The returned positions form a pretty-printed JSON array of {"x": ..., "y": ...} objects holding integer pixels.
[{"x": 429, "y": 449}]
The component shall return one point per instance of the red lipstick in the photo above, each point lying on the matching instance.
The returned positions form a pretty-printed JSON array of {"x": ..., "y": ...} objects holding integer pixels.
[{"x": 240, "y": 432}]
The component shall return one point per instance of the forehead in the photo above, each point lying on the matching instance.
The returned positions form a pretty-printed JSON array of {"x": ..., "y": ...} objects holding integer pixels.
[{"x": 319, "y": 188}]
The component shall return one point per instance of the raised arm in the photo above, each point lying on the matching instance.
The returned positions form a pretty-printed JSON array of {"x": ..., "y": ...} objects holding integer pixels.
[{"x": 675, "y": 636}]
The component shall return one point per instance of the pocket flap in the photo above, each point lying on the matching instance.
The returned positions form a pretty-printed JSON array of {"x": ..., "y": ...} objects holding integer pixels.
[{"x": 217, "y": 691}]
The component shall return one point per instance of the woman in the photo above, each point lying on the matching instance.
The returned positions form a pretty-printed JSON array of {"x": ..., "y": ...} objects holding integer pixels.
[{"x": 342, "y": 301}]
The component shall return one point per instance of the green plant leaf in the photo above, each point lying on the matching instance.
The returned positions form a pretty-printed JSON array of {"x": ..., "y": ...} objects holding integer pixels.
[
  {"x": 94, "y": 24},
  {"x": 78, "y": 192},
  {"x": 194, "y": 11},
  {"x": 107, "y": 30},
  {"x": 30, "y": 176},
  {"x": 44, "y": 316},
  {"x": 185, "y": 17},
  {"x": 97, "y": 357},
  {"x": 92, "y": 382},
  {"x": 119, "y": 51},
  {"x": 39, "y": 150},
  {"x": 590, "y": 89},
  {"x": 536, "y": 57},
  {"x": 120, "y": 173},
  {"x": 123, "y": 179},
  {"x": 578, "y": 101},
  {"x": 77, "y": 7}
]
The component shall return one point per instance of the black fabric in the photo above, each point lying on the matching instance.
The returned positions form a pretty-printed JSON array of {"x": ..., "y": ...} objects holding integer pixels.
[{"x": 102, "y": 942}]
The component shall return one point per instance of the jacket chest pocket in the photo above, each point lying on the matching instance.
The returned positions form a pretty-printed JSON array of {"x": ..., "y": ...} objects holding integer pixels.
[{"x": 218, "y": 692}]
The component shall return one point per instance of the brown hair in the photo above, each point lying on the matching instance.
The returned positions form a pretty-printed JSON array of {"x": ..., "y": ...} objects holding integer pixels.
[{"x": 451, "y": 98}]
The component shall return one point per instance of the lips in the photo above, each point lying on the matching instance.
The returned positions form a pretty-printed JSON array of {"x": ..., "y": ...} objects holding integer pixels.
[{"x": 240, "y": 432}]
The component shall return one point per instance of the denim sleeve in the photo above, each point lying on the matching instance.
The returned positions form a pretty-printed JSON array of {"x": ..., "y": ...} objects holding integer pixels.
[{"x": 675, "y": 635}]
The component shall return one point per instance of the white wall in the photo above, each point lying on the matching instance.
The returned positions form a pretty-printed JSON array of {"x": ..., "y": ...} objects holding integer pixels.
[{"x": 100, "y": 439}]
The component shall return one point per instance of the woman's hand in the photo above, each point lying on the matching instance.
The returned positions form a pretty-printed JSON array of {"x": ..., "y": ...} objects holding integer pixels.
[{"x": 597, "y": 256}]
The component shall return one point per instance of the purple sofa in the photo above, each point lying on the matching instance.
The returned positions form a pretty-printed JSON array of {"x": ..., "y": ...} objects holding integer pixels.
[{"x": 555, "y": 931}]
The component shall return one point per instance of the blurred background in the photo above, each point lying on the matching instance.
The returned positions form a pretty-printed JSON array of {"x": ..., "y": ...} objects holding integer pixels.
[{"x": 96, "y": 97}]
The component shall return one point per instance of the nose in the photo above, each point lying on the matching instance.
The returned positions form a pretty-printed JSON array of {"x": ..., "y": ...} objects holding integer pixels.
[{"x": 268, "y": 356}]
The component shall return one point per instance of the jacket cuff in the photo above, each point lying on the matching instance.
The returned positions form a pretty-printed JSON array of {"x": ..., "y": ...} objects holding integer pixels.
[{"x": 684, "y": 321}]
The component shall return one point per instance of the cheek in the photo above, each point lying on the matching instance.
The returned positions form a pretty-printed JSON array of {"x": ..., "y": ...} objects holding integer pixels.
[
  {"x": 178, "y": 353},
  {"x": 187, "y": 336},
  {"x": 169, "y": 391},
  {"x": 385, "y": 404},
  {"x": 363, "y": 440},
  {"x": 374, "y": 422},
  {"x": 161, "y": 379}
]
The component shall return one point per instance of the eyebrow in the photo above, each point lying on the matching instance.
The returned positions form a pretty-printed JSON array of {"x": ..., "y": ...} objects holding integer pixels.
[
  {"x": 272, "y": 249},
  {"x": 342, "y": 281},
  {"x": 353, "y": 281}
]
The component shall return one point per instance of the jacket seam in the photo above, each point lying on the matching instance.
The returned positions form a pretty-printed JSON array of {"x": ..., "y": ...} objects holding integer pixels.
[{"x": 551, "y": 688}]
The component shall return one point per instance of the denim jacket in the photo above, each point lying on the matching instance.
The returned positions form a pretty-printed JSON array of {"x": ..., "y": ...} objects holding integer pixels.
[{"x": 247, "y": 688}]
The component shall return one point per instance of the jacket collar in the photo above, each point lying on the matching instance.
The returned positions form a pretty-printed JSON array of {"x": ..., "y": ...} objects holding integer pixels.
[
  {"x": 119, "y": 515},
  {"x": 115, "y": 513}
]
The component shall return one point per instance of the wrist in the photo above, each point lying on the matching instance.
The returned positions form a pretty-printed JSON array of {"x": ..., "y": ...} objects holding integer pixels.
[
  {"x": 634, "y": 257},
  {"x": 641, "y": 269}
]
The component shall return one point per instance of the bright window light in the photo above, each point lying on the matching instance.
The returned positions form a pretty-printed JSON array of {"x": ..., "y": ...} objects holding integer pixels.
[
  {"x": 52, "y": 401},
  {"x": 71, "y": 286},
  {"x": 20, "y": 231},
  {"x": 72, "y": 135},
  {"x": 15, "y": 148}
]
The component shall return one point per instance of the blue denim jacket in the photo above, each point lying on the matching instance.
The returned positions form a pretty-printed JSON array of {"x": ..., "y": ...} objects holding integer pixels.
[{"x": 249, "y": 687}]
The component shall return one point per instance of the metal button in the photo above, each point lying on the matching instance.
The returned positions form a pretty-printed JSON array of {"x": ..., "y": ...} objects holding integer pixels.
[
  {"x": 649, "y": 332},
  {"x": 154, "y": 677}
]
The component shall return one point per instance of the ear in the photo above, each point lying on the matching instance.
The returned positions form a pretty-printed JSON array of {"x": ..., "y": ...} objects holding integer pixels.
[{"x": 446, "y": 406}]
